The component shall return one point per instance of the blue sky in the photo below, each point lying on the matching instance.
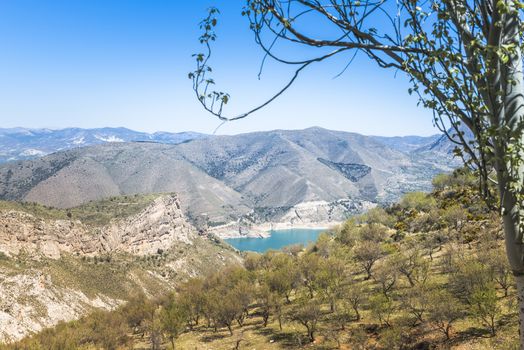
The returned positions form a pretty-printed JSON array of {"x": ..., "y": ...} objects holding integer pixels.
[{"x": 94, "y": 63}]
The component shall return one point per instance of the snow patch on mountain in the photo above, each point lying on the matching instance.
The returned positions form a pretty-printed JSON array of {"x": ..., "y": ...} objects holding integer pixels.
[
  {"x": 79, "y": 140},
  {"x": 111, "y": 138},
  {"x": 31, "y": 152}
]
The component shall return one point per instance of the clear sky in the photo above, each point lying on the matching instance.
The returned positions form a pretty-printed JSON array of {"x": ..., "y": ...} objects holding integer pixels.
[{"x": 95, "y": 63}]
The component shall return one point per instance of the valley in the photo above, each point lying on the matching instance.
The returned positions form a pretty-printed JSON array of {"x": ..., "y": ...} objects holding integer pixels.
[
  {"x": 298, "y": 177},
  {"x": 261, "y": 175},
  {"x": 425, "y": 273},
  {"x": 93, "y": 227}
]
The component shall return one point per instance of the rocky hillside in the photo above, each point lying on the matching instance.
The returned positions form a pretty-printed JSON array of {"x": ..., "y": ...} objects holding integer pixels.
[
  {"x": 223, "y": 178},
  {"x": 54, "y": 269},
  {"x": 429, "y": 272},
  {"x": 157, "y": 227}
]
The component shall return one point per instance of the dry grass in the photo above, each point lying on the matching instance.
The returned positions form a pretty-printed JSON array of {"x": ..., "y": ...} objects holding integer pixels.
[{"x": 96, "y": 213}]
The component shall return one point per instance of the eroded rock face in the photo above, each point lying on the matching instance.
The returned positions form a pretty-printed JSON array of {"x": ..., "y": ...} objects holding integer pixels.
[
  {"x": 155, "y": 228},
  {"x": 59, "y": 270},
  {"x": 46, "y": 305},
  {"x": 321, "y": 211},
  {"x": 315, "y": 214},
  {"x": 22, "y": 232}
]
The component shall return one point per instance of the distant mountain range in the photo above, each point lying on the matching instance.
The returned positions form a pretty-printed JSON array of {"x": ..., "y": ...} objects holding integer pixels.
[
  {"x": 29, "y": 143},
  {"x": 24, "y": 143},
  {"x": 266, "y": 176}
]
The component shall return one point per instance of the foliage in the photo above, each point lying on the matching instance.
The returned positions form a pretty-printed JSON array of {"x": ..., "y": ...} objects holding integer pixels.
[
  {"x": 367, "y": 287},
  {"x": 464, "y": 60},
  {"x": 417, "y": 200},
  {"x": 444, "y": 310},
  {"x": 173, "y": 318},
  {"x": 367, "y": 253},
  {"x": 382, "y": 308},
  {"x": 485, "y": 306},
  {"x": 306, "y": 312}
]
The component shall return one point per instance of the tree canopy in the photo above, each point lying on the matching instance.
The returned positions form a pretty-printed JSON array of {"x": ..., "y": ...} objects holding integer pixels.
[{"x": 463, "y": 57}]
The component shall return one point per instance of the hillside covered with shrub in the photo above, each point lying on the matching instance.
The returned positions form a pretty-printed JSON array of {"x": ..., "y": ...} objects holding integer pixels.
[{"x": 429, "y": 272}]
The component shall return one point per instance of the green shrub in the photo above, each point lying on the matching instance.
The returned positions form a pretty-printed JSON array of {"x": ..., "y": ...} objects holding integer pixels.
[{"x": 418, "y": 200}]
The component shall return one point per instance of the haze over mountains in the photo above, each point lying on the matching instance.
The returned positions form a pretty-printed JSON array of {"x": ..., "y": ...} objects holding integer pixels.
[
  {"x": 312, "y": 174},
  {"x": 25, "y": 143}
]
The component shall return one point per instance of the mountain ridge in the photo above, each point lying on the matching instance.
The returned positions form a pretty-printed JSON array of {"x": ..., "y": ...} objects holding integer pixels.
[
  {"x": 28, "y": 143},
  {"x": 224, "y": 178},
  {"x": 21, "y": 143}
]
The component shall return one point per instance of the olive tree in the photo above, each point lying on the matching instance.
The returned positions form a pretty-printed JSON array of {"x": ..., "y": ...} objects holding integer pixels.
[
  {"x": 174, "y": 318},
  {"x": 444, "y": 309},
  {"x": 307, "y": 312},
  {"x": 463, "y": 57},
  {"x": 366, "y": 254}
]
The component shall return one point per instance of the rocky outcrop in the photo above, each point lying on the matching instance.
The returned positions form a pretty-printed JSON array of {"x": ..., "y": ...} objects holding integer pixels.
[
  {"x": 47, "y": 304},
  {"x": 315, "y": 214},
  {"x": 22, "y": 232},
  {"x": 59, "y": 270},
  {"x": 322, "y": 211},
  {"x": 155, "y": 228}
]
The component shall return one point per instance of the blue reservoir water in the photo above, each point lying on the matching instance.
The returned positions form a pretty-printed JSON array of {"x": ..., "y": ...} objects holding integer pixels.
[{"x": 277, "y": 240}]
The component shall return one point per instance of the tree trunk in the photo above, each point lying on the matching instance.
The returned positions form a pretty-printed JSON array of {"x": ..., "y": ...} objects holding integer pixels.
[
  {"x": 311, "y": 336},
  {"x": 240, "y": 321},
  {"x": 332, "y": 306},
  {"x": 368, "y": 271},
  {"x": 265, "y": 318},
  {"x": 511, "y": 117},
  {"x": 514, "y": 245},
  {"x": 356, "y": 312},
  {"x": 511, "y": 218},
  {"x": 410, "y": 279},
  {"x": 310, "y": 331},
  {"x": 447, "y": 330}
]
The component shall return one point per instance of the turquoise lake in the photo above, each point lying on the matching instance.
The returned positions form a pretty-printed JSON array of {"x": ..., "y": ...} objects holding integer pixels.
[{"x": 277, "y": 240}]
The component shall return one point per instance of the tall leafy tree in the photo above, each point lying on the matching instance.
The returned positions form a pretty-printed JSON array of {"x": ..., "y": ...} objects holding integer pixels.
[
  {"x": 464, "y": 58},
  {"x": 174, "y": 318}
]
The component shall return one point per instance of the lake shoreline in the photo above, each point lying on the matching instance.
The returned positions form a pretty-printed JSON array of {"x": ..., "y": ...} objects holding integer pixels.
[
  {"x": 278, "y": 239},
  {"x": 234, "y": 230}
]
